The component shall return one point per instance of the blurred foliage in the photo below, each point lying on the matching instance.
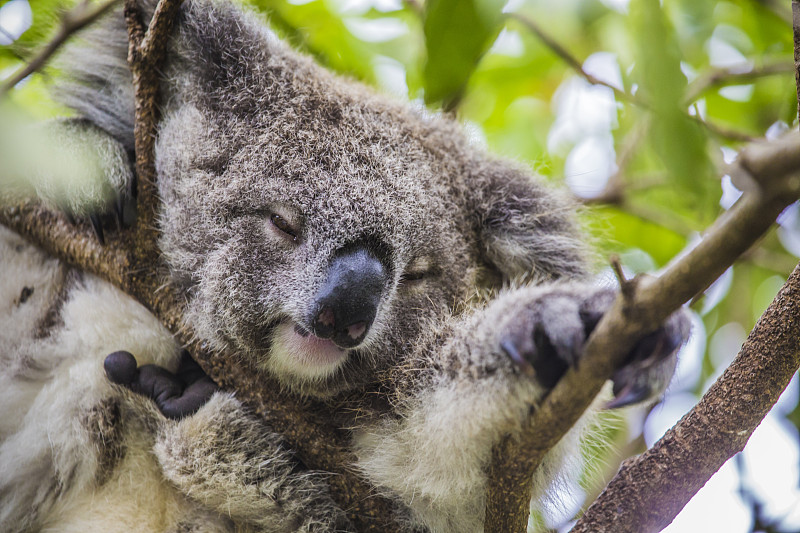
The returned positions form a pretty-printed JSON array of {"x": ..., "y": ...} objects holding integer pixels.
[{"x": 657, "y": 143}]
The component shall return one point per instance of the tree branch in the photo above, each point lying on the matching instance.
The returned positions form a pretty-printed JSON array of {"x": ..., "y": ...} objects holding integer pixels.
[
  {"x": 130, "y": 261},
  {"x": 651, "y": 302},
  {"x": 656, "y": 485},
  {"x": 573, "y": 61},
  {"x": 734, "y": 75},
  {"x": 72, "y": 21}
]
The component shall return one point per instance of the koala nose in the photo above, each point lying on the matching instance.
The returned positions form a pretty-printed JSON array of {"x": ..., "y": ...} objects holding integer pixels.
[{"x": 346, "y": 304}]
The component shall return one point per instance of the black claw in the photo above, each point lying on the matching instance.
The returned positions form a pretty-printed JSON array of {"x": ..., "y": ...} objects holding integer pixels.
[
  {"x": 119, "y": 211},
  {"x": 654, "y": 348},
  {"x": 133, "y": 186},
  {"x": 511, "y": 351},
  {"x": 98, "y": 227},
  {"x": 549, "y": 362},
  {"x": 629, "y": 395}
]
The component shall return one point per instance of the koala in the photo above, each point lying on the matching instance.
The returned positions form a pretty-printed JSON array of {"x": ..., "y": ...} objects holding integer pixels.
[{"x": 357, "y": 250}]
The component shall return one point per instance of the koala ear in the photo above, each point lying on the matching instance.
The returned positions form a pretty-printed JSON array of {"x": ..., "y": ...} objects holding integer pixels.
[{"x": 526, "y": 230}]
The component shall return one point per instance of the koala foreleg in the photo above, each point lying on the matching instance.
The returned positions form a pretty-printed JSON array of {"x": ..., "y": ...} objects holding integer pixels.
[{"x": 483, "y": 374}]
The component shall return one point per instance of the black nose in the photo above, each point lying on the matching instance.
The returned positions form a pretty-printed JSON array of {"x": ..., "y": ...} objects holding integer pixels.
[{"x": 346, "y": 304}]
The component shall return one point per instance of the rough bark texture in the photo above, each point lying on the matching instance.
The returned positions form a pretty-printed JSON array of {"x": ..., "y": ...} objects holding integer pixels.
[
  {"x": 651, "y": 489},
  {"x": 642, "y": 308}
]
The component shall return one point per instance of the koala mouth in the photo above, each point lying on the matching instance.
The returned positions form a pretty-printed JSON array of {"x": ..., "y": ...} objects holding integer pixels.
[{"x": 297, "y": 351}]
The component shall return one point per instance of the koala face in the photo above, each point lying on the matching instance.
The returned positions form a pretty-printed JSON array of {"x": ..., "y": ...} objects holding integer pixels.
[{"x": 317, "y": 259}]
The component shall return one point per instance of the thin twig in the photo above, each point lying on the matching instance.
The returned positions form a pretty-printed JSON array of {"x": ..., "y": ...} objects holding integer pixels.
[
  {"x": 620, "y": 94},
  {"x": 573, "y": 61},
  {"x": 734, "y": 75},
  {"x": 722, "y": 131},
  {"x": 72, "y": 21}
]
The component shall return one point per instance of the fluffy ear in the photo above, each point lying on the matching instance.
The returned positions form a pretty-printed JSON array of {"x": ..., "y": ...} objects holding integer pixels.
[
  {"x": 526, "y": 230},
  {"x": 218, "y": 56}
]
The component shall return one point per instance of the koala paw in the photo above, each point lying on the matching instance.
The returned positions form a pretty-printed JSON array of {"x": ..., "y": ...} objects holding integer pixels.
[
  {"x": 549, "y": 336},
  {"x": 176, "y": 395}
]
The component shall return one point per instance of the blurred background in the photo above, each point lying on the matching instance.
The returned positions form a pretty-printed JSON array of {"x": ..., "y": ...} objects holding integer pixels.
[{"x": 636, "y": 107}]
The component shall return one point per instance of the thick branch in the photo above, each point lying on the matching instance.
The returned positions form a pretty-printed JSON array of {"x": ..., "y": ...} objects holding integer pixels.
[
  {"x": 657, "y": 484},
  {"x": 650, "y": 303},
  {"x": 146, "y": 50},
  {"x": 73, "y": 20}
]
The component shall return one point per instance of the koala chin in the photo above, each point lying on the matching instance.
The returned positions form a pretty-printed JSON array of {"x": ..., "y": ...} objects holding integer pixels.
[{"x": 346, "y": 245}]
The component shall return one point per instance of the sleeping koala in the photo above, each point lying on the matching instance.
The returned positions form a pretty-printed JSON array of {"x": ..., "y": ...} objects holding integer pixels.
[{"x": 344, "y": 244}]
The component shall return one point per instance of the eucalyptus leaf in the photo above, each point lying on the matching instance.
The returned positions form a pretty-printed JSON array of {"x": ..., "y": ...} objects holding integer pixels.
[{"x": 457, "y": 34}]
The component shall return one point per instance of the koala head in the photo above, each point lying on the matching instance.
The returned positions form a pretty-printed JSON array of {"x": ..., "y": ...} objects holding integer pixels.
[{"x": 320, "y": 230}]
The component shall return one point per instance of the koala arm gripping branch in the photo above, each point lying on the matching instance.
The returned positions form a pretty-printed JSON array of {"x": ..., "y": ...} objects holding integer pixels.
[{"x": 483, "y": 376}]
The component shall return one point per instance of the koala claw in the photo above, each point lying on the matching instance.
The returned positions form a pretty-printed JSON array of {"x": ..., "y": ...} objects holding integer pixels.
[
  {"x": 176, "y": 395},
  {"x": 121, "y": 210},
  {"x": 97, "y": 226},
  {"x": 549, "y": 336},
  {"x": 630, "y": 394}
]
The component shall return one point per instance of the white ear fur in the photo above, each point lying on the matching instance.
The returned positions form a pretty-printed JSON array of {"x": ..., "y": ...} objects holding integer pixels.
[{"x": 528, "y": 231}]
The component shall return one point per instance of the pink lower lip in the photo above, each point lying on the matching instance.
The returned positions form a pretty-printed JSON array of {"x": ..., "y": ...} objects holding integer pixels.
[{"x": 309, "y": 348}]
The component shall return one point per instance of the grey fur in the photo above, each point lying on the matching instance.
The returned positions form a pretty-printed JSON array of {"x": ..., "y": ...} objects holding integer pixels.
[{"x": 249, "y": 129}]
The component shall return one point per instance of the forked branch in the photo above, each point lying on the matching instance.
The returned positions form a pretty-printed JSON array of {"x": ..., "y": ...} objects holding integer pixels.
[{"x": 773, "y": 169}]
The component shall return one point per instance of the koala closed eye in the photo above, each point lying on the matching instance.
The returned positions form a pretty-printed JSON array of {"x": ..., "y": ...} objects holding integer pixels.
[
  {"x": 284, "y": 227},
  {"x": 418, "y": 270}
]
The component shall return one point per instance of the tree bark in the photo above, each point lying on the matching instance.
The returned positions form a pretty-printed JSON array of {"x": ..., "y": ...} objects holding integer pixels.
[{"x": 651, "y": 489}]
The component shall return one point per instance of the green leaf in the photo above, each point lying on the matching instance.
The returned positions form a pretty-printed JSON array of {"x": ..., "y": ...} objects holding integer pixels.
[
  {"x": 457, "y": 34},
  {"x": 679, "y": 141}
]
